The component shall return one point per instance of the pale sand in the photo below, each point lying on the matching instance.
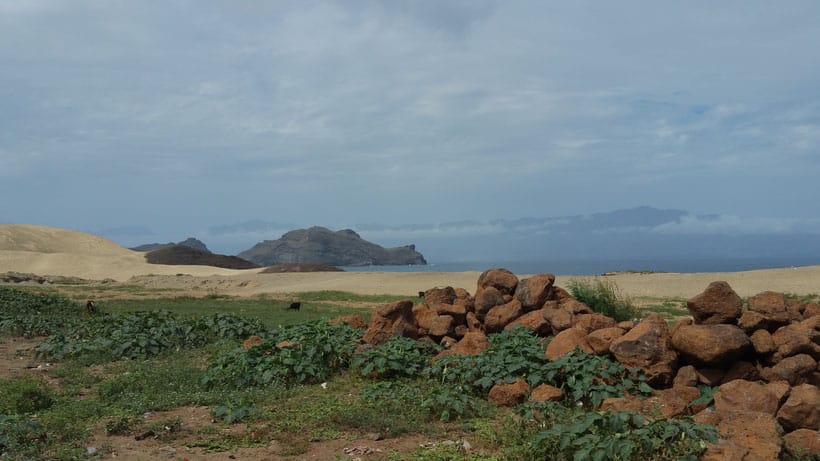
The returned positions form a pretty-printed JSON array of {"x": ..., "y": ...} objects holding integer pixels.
[{"x": 50, "y": 251}]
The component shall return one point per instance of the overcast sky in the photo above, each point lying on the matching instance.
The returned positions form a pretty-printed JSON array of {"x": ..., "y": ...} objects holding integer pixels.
[{"x": 173, "y": 117}]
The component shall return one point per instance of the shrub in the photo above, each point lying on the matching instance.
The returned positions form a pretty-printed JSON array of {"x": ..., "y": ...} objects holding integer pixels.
[
  {"x": 24, "y": 396},
  {"x": 399, "y": 356},
  {"x": 603, "y": 296}
]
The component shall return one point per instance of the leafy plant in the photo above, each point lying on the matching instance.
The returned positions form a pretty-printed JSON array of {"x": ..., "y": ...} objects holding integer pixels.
[
  {"x": 601, "y": 436},
  {"x": 233, "y": 413},
  {"x": 24, "y": 396},
  {"x": 399, "y": 356},
  {"x": 603, "y": 296}
]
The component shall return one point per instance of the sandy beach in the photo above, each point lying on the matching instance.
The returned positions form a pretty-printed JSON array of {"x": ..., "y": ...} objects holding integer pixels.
[{"x": 60, "y": 252}]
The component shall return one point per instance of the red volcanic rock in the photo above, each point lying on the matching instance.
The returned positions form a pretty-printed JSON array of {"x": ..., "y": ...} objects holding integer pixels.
[
  {"x": 803, "y": 443},
  {"x": 762, "y": 342},
  {"x": 442, "y": 325},
  {"x": 574, "y": 306},
  {"x": 772, "y": 306},
  {"x": 758, "y": 432},
  {"x": 533, "y": 291},
  {"x": 802, "y": 409},
  {"x": 717, "y": 304},
  {"x": 393, "y": 319},
  {"x": 750, "y": 321},
  {"x": 473, "y": 324},
  {"x": 559, "y": 319},
  {"x": 796, "y": 338},
  {"x": 499, "y": 316},
  {"x": 507, "y": 395},
  {"x": 710, "y": 344},
  {"x": 600, "y": 340},
  {"x": 811, "y": 310},
  {"x": 567, "y": 341},
  {"x": 592, "y": 322},
  {"x": 486, "y": 299},
  {"x": 533, "y": 321},
  {"x": 473, "y": 343},
  {"x": 797, "y": 369},
  {"x": 687, "y": 376},
  {"x": 500, "y": 279},
  {"x": 423, "y": 316},
  {"x": 458, "y": 311},
  {"x": 251, "y": 341},
  {"x": 741, "y": 370},
  {"x": 746, "y": 395},
  {"x": 435, "y": 296},
  {"x": 546, "y": 393},
  {"x": 560, "y": 294},
  {"x": 648, "y": 346}
]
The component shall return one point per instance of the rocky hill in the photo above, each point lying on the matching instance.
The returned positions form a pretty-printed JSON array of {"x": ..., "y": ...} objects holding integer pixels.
[
  {"x": 190, "y": 242},
  {"x": 322, "y": 245},
  {"x": 185, "y": 255}
]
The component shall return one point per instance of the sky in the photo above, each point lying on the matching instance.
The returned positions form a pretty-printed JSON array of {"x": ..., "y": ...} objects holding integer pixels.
[{"x": 157, "y": 120}]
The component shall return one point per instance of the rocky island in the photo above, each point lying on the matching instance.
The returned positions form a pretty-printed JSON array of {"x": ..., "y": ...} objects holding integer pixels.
[{"x": 322, "y": 245}]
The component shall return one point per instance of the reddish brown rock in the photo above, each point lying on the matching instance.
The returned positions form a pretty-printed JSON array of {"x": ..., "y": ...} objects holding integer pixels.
[
  {"x": 393, "y": 319},
  {"x": 802, "y": 444},
  {"x": 435, "y": 296},
  {"x": 758, "y": 432},
  {"x": 626, "y": 325},
  {"x": 533, "y": 321},
  {"x": 628, "y": 402},
  {"x": 442, "y": 325},
  {"x": 499, "y": 316},
  {"x": 559, "y": 319},
  {"x": 533, "y": 291},
  {"x": 795, "y": 339},
  {"x": 687, "y": 376},
  {"x": 574, "y": 306},
  {"x": 717, "y": 304},
  {"x": 560, "y": 294},
  {"x": 423, "y": 316},
  {"x": 460, "y": 330},
  {"x": 745, "y": 395},
  {"x": 507, "y": 395},
  {"x": 486, "y": 299},
  {"x": 710, "y": 344},
  {"x": 251, "y": 341},
  {"x": 648, "y": 346},
  {"x": 473, "y": 343},
  {"x": 592, "y": 322},
  {"x": 772, "y": 306},
  {"x": 780, "y": 389},
  {"x": 811, "y": 310},
  {"x": 741, "y": 370},
  {"x": 501, "y": 279},
  {"x": 567, "y": 341},
  {"x": 750, "y": 321},
  {"x": 473, "y": 323},
  {"x": 600, "y": 340},
  {"x": 726, "y": 450},
  {"x": 762, "y": 342},
  {"x": 355, "y": 321},
  {"x": 802, "y": 409},
  {"x": 457, "y": 311},
  {"x": 796, "y": 369},
  {"x": 667, "y": 403},
  {"x": 546, "y": 393}
]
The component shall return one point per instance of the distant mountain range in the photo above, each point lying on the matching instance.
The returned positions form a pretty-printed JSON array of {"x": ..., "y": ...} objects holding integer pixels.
[
  {"x": 640, "y": 233},
  {"x": 190, "y": 242}
]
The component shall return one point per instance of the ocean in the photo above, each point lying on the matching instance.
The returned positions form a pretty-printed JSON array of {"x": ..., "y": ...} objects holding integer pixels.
[{"x": 597, "y": 267}]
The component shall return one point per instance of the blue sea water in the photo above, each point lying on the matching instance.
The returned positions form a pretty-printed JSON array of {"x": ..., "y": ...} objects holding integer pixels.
[{"x": 596, "y": 267}]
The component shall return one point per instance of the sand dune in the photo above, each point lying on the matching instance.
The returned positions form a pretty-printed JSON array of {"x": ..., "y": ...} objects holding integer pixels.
[{"x": 50, "y": 251}]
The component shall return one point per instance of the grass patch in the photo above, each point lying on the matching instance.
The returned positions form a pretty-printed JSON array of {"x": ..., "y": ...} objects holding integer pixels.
[
  {"x": 669, "y": 310},
  {"x": 603, "y": 296}
]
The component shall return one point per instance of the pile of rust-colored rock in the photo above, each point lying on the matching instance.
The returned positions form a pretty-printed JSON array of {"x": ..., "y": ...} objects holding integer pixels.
[{"x": 764, "y": 356}]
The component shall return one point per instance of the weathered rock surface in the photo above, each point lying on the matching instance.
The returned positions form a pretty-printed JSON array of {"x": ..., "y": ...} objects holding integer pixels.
[
  {"x": 567, "y": 341},
  {"x": 507, "y": 395},
  {"x": 393, "y": 319},
  {"x": 648, "y": 346},
  {"x": 717, "y": 304},
  {"x": 533, "y": 291},
  {"x": 710, "y": 344},
  {"x": 746, "y": 395},
  {"x": 802, "y": 409}
]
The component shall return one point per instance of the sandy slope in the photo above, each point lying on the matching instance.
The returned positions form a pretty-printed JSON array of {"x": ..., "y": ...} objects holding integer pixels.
[{"x": 49, "y": 251}]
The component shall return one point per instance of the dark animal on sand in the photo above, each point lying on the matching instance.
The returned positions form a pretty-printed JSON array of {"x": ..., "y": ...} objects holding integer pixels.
[
  {"x": 90, "y": 307},
  {"x": 421, "y": 294},
  {"x": 294, "y": 306}
]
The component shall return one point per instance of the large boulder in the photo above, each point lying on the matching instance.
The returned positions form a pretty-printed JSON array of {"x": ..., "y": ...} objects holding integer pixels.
[
  {"x": 748, "y": 395},
  {"x": 501, "y": 279},
  {"x": 442, "y": 325},
  {"x": 803, "y": 444},
  {"x": 710, "y": 344},
  {"x": 567, "y": 341},
  {"x": 802, "y": 409},
  {"x": 393, "y": 319},
  {"x": 717, "y": 304},
  {"x": 592, "y": 322},
  {"x": 648, "y": 346},
  {"x": 486, "y": 299},
  {"x": 499, "y": 316},
  {"x": 772, "y": 306},
  {"x": 762, "y": 342},
  {"x": 797, "y": 369},
  {"x": 600, "y": 340},
  {"x": 435, "y": 296},
  {"x": 533, "y": 291},
  {"x": 559, "y": 319},
  {"x": 533, "y": 321},
  {"x": 796, "y": 338},
  {"x": 756, "y": 434}
]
